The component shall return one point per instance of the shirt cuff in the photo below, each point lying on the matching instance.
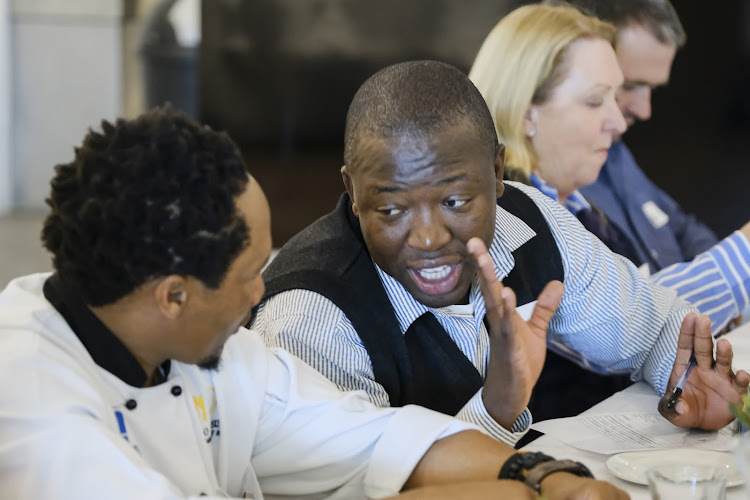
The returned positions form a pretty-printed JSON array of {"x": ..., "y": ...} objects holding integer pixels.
[
  {"x": 474, "y": 412},
  {"x": 410, "y": 432},
  {"x": 732, "y": 257},
  {"x": 658, "y": 366}
]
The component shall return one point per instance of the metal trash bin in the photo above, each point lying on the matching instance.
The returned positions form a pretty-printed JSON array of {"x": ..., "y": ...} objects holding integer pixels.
[{"x": 170, "y": 70}]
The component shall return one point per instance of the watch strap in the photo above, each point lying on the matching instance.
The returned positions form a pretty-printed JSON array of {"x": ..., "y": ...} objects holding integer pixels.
[
  {"x": 543, "y": 469},
  {"x": 517, "y": 466}
]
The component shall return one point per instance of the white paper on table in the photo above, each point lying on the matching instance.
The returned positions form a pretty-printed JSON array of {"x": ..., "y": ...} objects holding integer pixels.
[{"x": 609, "y": 433}]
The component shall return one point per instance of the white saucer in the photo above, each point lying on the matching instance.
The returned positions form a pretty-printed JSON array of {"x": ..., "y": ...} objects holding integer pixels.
[{"x": 631, "y": 466}]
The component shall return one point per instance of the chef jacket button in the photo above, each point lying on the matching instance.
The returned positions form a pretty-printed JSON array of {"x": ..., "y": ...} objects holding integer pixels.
[
  {"x": 176, "y": 390},
  {"x": 130, "y": 404}
]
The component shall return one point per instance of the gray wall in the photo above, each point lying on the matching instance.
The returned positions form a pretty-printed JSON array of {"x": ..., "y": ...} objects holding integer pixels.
[
  {"x": 281, "y": 73},
  {"x": 66, "y": 76},
  {"x": 5, "y": 107}
]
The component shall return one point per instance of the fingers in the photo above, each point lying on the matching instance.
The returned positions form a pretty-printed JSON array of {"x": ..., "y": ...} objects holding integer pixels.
[
  {"x": 487, "y": 276},
  {"x": 675, "y": 413},
  {"x": 703, "y": 344},
  {"x": 486, "y": 273},
  {"x": 685, "y": 340},
  {"x": 497, "y": 298},
  {"x": 546, "y": 306},
  {"x": 476, "y": 247},
  {"x": 684, "y": 348},
  {"x": 724, "y": 358},
  {"x": 741, "y": 381}
]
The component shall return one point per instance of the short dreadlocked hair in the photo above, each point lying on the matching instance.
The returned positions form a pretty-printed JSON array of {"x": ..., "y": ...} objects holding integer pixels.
[
  {"x": 143, "y": 199},
  {"x": 416, "y": 97}
]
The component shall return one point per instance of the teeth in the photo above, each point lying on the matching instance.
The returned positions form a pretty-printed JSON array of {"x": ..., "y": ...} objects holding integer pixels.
[{"x": 435, "y": 273}]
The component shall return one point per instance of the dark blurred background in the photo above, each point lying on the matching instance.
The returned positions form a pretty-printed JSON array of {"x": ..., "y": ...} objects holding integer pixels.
[{"x": 278, "y": 75}]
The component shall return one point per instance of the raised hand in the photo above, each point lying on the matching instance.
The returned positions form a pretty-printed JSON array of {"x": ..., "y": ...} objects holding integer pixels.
[
  {"x": 517, "y": 348},
  {"x": 712, "y": 385}
]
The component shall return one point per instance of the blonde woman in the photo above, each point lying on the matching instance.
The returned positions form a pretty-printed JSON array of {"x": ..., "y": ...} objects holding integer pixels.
[{"x": 549, "y": 75}]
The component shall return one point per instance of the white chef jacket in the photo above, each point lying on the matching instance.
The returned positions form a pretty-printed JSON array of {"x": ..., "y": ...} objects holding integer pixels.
[{"x": 263, "y": 424}]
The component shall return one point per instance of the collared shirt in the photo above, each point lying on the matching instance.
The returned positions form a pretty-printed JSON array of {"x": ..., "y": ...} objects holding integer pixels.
[
  {"x": 610, "y": 319},
  {"x": 105, "y": 348},
  {"x": 574, "y": 203},
  {"x": 654, "y": 223},
  {"x": 716, "y": 282},
  {"x": 465, "y": 323},
  {"x": 263, "y": 423}
]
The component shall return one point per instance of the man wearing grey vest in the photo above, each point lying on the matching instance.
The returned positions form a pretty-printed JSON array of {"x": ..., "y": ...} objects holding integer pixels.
[{"x": 382, "y": 294}]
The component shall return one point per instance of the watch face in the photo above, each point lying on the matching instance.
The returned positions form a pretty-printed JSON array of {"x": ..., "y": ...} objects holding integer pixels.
[
  {"x": 543, "y": 469},
  {"x": 514, "y": 467}
]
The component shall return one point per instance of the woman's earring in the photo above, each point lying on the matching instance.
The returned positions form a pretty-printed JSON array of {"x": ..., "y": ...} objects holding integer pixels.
[{"x": 532, "y": 132}]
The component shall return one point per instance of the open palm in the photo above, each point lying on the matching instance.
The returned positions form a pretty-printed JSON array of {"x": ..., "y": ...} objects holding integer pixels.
[
  {"x": 517, "y": 347},
  {"x": 712, "y": 385}
]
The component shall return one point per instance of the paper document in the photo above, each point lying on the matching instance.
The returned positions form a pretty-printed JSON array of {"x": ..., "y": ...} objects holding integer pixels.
[{"x": 609, "y": 433}]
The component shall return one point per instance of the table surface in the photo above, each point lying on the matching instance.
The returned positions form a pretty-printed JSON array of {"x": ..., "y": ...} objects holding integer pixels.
[{"x": 641, "y": 398}]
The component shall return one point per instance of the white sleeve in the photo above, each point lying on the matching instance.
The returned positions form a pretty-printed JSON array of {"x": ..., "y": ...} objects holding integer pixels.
[
  {"x": 70, "y": 454},
  {"x": 313, "y": 438}
]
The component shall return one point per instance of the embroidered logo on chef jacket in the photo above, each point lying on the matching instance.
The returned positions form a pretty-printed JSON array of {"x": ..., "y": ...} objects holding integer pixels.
[
  {"x": 210, "y": 425},
  {"x": 654, "y": 214}
]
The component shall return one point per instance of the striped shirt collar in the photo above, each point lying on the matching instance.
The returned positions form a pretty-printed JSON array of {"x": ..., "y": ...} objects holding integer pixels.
[
  {"x": 575, "y": 202},
  {"x": 510, "y": 233}
]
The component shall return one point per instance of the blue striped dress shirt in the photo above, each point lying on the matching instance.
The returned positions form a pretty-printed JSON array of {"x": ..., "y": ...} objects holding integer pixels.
[
  {"x": 716, "y": 282},
  {"x": 610, "y": 319}
]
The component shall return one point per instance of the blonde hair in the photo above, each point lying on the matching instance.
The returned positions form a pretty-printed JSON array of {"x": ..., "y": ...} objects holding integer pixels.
[{"x": 521, "y": 62}]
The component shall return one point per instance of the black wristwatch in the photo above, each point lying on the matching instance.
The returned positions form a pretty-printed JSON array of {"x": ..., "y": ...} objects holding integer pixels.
[
  {"x": 541, "y": 470},
  {"x": 532, "y": 468},
  {"x": 517, "y": 466}
]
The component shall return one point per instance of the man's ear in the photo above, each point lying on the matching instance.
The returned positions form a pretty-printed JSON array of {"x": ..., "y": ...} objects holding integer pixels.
[
  {"x": 171, "y": 295},
  {"x": 349, "y": 188},
  {"x": 499, "y": 165}
]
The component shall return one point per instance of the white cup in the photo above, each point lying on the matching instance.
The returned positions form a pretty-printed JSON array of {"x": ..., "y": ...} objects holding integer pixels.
[{"x": 687, "y": 482}]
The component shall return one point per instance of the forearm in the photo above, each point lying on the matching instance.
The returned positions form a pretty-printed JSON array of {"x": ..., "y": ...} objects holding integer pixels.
[
  {"x": 717, "y": 282},
  {"x": 462, "y": 457},
  {"x": 617, "y": 322},
  {"x": 657, "y": 366},
  {"x": 610, "y": 317},
  {"x": 466, "y": 465},
  {"x": 475, "y": 490},
  {"x": 502, "y": 406}
]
